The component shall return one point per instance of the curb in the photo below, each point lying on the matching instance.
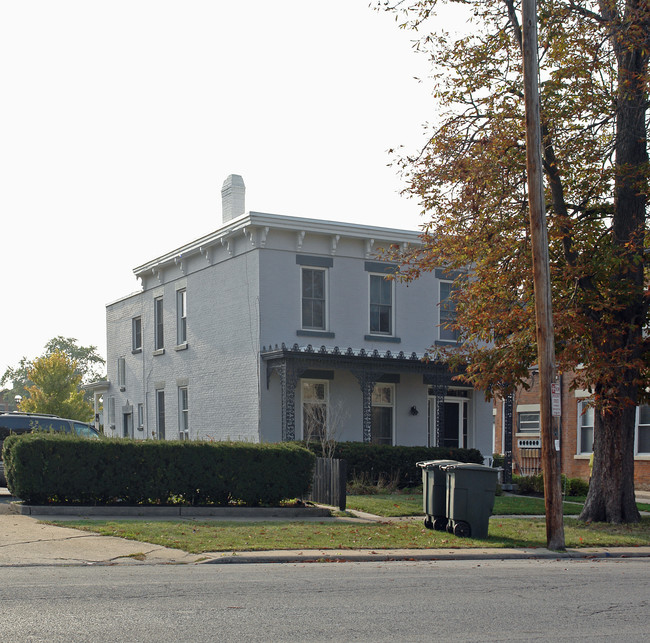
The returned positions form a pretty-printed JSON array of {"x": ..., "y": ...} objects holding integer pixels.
[{"x": 337, "y": 556}]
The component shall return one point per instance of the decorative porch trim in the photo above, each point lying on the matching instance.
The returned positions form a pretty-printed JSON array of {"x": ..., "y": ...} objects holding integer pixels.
[{"x": 291, "y": 363}]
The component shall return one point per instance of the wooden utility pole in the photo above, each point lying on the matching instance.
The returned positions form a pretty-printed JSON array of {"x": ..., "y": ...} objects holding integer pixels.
[{"x": 542, "y": 281}]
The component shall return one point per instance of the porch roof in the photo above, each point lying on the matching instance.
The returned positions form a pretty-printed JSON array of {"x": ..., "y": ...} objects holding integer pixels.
[{"x": 350, "y": 358}]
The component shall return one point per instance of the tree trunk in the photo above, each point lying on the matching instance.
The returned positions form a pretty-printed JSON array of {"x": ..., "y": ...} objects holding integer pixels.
[{"x": 611, "y": 490}]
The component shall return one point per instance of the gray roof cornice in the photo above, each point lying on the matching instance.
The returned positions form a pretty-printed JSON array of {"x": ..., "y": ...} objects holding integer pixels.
[{"x": 256, "y": 226}]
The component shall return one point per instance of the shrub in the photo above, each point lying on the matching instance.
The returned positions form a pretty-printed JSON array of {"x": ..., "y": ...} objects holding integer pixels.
[
  {"x": 535, "y": 484},
  {"x": 63, "y": 468},
  {"x": 574, "y": 486},
  {"x": 529, "y": 484},
  {"x": 375, "y": 463}
]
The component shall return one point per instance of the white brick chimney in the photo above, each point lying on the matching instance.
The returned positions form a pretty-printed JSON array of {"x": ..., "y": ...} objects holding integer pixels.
[{"x": 233, "y": 194}]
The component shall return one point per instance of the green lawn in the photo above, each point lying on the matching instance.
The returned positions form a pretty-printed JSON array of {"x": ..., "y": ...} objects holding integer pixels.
[
  {"x": 398, "y": 504},
  {"x": 198, "y": 537}
]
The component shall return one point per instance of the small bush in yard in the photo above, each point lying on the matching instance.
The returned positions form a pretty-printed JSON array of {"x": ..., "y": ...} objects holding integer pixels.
[{"x": 535, "y": 485}]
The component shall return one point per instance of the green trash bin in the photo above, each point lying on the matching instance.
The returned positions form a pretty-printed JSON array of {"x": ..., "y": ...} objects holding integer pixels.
[
  {"x": 470, "y": 498},
  {"x": 434, "y": 493}
]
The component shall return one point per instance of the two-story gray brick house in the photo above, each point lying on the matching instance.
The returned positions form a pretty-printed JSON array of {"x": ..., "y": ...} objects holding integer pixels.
[{"x": 271, "y": 326}]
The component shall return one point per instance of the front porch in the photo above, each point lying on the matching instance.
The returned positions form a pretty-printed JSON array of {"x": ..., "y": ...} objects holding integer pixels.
[{"x": 442, "y": 399}]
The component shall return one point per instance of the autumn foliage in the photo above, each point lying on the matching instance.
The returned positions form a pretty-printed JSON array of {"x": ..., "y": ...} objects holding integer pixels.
[{"x": 470, "y": 178}]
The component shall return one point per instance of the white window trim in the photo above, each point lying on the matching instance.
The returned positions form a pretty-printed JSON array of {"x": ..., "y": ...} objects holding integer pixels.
[
  {"x": 183, "y": 414},
  {"x": 392, "y": 305},
  {"x": 326, "y": 295},
  {"x": 181, "y": 317},
  {"x": 579, "y": 416},
  {"x": 326, "y": 401},
  {"x": 528, "y": 408},
  {"x": 391, "y": 406},
  {"x": 644, "y": 454},
  {"x": 158, "y": 316},
  {"x": 121, "y": 373}
]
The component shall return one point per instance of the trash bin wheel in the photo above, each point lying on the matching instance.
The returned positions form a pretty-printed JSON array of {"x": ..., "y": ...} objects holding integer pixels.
[
  {"x": 440, "y": 523},
  {"x": 462, "y": 529},
  {"x": 428, "y": 523}
]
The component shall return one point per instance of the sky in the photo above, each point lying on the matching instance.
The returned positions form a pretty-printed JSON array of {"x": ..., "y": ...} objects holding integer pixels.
[{"x": 120, "y": 120}]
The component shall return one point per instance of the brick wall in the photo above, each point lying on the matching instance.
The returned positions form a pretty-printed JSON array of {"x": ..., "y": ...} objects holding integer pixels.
[{"x": 525, "y": 459}]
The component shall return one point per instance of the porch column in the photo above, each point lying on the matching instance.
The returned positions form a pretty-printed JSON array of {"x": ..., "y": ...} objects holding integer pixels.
[
  {"x": 367, "y": 381},
  {"x": 440, "y": 388},
  {"x": 508, "y": 419}
]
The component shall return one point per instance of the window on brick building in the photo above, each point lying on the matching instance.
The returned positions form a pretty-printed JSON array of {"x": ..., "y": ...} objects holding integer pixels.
[
  {"x": 447, "y": 312},
  {"x": 315, "y": 397},
  {"x": 585, "y": 428},
  {"x": 381, "y": 305},
  {"x": 183, "y": 414},
  {"x": 136, "y": 334},
  {"x": 160, "y": 414},
  {"x": 314, "y": 301},
  {"x": 642, "y": 438},
  {"x": 159, "y": 341},
  {"x": 181, "y": 317},
  {"x": 528, "y": 422},
  {"x": 383, "y": 406}
]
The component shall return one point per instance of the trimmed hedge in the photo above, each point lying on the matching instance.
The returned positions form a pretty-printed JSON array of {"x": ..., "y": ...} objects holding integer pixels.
[
  {"x": 44, "y": 468},
  {"x": 375, "y": 462}
]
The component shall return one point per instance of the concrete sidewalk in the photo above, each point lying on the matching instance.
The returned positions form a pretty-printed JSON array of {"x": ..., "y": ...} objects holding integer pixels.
[{"x": 24, "y": 541}]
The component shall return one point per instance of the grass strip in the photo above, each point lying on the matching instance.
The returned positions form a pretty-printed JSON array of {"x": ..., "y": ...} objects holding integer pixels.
[
  {"x": 216, "y": 536},
  {"x": 400, "y": 504}
]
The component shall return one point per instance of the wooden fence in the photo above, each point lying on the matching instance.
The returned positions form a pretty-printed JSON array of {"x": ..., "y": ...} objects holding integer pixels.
[{"x": 330, "y": 476}]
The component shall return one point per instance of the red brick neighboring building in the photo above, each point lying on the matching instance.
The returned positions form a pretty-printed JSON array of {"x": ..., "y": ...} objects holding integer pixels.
[{"x": 576, "y": 440}]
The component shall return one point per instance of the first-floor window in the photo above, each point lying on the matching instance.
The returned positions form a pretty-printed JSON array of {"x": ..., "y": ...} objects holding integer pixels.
[
  {"x": 643, "y": 430},
  {"x": 183, "y": 414},
  {"x": 160, "y": 414},
  {"x": 585, "y": 428},
  {"x": 528, "y": 422},
  {"x": 111, "y": 412},
  {"x": 140, "y": 416},
  {"x": 314, "y": 409},
  {"x": 383, "y": 401}
]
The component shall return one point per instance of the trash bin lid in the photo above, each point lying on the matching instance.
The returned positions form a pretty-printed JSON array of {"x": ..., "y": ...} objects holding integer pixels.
[
  {"x": 435, "y": 464},
  {"x": 471, "y": 466}
]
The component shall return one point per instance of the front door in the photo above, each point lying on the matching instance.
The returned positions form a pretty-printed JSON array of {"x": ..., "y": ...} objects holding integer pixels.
[
  {"x": 127, "y": 425},
  {"x": 453, "y": 423}
]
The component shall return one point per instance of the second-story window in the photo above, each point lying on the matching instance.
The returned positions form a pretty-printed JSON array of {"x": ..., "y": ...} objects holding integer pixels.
[
  {"x": 136, "y": 334},
  {"x": 121, "y": 373},
  {"x": 181, "y": 316},
  {"x": 381, "y": 305},
  {"x": 159, "y": 342},
  {"x": 447, "y": 312},
  {"x": 314, "y": 301}
]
